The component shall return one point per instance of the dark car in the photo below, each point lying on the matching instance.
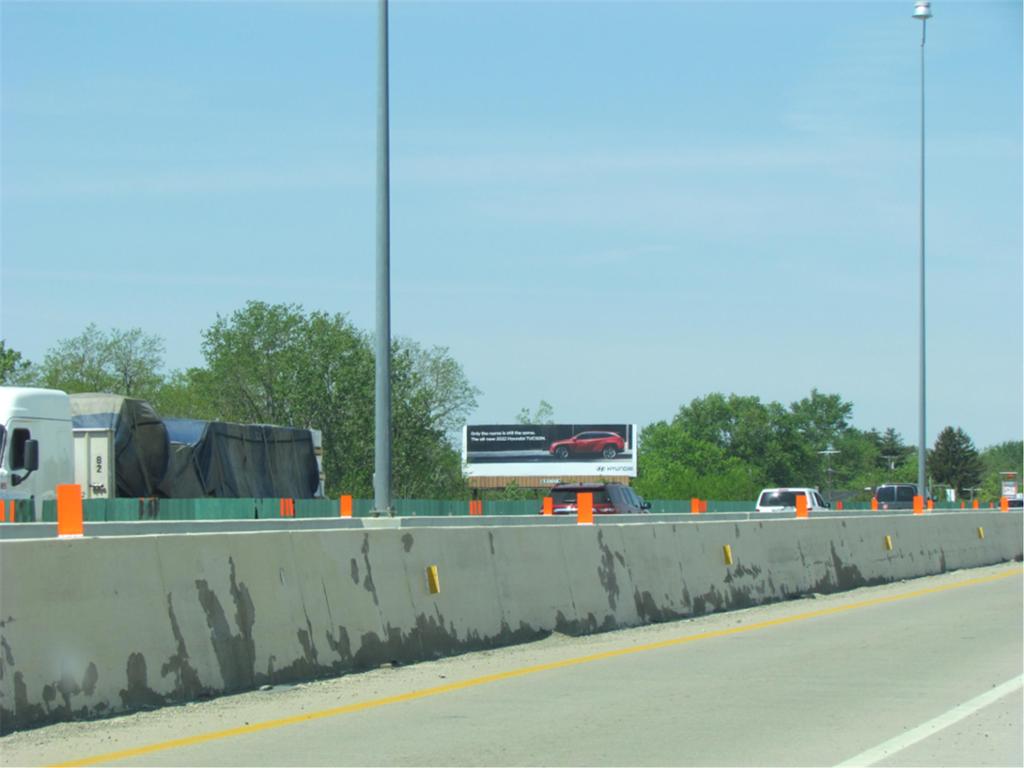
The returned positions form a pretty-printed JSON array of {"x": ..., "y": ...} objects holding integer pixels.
[
  {"x": 896, "y": 495},
  {"x": 609, "y": 498},
  {"x": 607, "y": 444}
]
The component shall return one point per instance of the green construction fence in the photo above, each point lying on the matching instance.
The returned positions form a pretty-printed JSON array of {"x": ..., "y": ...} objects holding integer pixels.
[{"x": 121, "y": 510}]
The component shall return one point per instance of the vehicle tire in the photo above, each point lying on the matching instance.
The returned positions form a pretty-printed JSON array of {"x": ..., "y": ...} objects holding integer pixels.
[
  {"x": 609, "y": 452},
  {"x": 562, "y": 452}
]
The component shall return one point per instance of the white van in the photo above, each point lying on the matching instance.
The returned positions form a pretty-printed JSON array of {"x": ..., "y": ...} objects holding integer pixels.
[{"x": 784, "y": 500}]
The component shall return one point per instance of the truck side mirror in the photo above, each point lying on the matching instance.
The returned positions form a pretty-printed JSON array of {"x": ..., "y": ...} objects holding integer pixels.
[
  {"x": 30, "y": 461},
  {"x": 31, "y": 455}
]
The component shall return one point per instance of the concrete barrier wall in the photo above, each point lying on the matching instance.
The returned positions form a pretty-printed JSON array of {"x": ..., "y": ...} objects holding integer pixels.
[{"x": 93, "y": 627}]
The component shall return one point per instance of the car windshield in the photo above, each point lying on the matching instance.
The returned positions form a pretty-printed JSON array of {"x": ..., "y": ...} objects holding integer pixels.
[
  {"x": 569, "y": 497},
  {"x": 779, "y": 499},
  {"x": 886, "y": 494}
]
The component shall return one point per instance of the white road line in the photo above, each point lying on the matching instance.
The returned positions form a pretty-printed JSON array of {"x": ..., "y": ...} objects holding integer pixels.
[{"x": 923, "y": 731}]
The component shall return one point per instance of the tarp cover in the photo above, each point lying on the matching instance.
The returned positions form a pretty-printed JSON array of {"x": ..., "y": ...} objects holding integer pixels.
[
  {"x": 141, "y": 446},
  {"x": 189, "y": 459},
  {"x": 242, "y": 461},
  {"x": 187, "y": 431}
]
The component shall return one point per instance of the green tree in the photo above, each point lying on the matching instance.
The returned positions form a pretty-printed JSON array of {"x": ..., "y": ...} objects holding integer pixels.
[
  {"x": 122, "y": 362},
  {"x": 675, "y": 464},
  {"x": 431, "y": 398},
  {"x": 761, "y": 436},
  {"x": 821, "y": 419},
  {"x": 79, "y": 364},
  {"x": 135, "y": 359},
  {"x": 14, "y": 369},
  {"x": 278, "y": 364},
  {"x": 891, "y": 449},
  {"x": 954, "y": 461},
  {"x": 184, "y": 395},
  {"x": 999, "y": 458},
  {"x": 754, "y": 444},
  {"x": 274, "y": 364}
]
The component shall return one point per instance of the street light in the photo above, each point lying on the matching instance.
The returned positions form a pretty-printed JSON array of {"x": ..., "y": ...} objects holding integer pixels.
[
  {"x": 922, "y": 11},
  {"x": 382, "y": 390},
  {"x": 829, "y": 452}
]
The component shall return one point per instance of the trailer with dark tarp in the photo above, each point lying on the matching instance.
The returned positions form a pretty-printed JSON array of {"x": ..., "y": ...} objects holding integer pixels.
[
  {"x": 124, "y": 449},
  {"x": 225, "y": 460}
]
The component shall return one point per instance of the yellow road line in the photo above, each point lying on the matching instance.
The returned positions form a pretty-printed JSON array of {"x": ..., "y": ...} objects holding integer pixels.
[{"x": 362, "y": 706}]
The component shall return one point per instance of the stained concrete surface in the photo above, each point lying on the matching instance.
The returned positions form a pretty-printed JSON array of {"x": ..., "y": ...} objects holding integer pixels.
[{"x": 809, "y": 692}]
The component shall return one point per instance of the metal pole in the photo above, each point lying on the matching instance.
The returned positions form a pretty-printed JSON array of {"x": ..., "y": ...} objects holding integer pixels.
[
  {"x": 382, "y": 400},
  {"x": 922, "y": 450}
]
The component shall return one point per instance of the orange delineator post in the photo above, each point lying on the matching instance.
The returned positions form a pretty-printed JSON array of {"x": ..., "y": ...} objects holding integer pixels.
[
  {"x": 694, "y": 506},
  {"x": 874, "y": 504},
  {"x": 703, "y": 506},
  {"x": 69, "y": 510},
  {"x": 919, "y": 505},
  {"x": 931, "y": 504},
  {"x": 839, "y": 506},
  {"x": 476, "y": 506},
  {"x": 549, "y": 506},
  {"x": 1004, "y": 504},
  {"x": 3, "y": 511},
  {"x": 963, "y": 504},
  {"x": 974, "y": 504},
  {"x": 345, "y": 506},
  {"x": 584, "y": 508},
  {"x": 801, "y": 505},
  {"x": 287, "y": 507}
]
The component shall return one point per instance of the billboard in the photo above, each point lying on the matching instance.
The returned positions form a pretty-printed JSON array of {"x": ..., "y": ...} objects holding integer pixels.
[{"x": 546, "y": 450}]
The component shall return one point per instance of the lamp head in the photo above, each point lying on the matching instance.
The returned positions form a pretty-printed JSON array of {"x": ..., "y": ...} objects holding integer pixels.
[{"x": 922, "y": 10}]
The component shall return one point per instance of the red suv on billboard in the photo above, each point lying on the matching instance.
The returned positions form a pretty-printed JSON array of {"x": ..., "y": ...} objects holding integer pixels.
[{"x": 608, "y": 444}]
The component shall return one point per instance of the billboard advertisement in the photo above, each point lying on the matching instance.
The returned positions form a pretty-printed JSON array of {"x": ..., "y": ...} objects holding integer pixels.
[{"x": 545, "y": 450}]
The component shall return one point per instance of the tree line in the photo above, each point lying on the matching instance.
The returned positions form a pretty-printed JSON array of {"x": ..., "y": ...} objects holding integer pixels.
[
  {"x": 731, "y": 446},
  {"x": 280, "y": 364}
]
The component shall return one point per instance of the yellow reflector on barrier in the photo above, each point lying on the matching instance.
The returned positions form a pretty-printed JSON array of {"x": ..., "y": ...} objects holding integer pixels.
[
  {"x": 888, "y": 543},
  {"x": 727, "y": 554},
  {"x": 433, "y": 580},
  {"x": 981, "y": 532}
]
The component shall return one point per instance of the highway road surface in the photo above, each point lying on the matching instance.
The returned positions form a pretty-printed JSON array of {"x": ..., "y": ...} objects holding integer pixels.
[{"x": 920, "y": 673}]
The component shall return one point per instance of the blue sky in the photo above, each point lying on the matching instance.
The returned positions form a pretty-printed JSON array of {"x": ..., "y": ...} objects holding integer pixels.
[{"x": 615, "y": 207}]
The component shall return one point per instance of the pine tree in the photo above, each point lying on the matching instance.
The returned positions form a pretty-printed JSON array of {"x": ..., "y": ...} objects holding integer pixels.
[
  {"x": 891, "y": 450},
  {"x": 954, "y": 460}
]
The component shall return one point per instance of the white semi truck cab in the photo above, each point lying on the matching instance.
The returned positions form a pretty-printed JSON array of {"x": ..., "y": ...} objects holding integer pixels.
[{"x": 36, "y": 448}]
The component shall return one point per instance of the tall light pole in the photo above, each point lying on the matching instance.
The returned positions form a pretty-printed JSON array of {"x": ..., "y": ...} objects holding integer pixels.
[
  {"x": 382, "y": 394},
  {"x": 922, "y": 11}
]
